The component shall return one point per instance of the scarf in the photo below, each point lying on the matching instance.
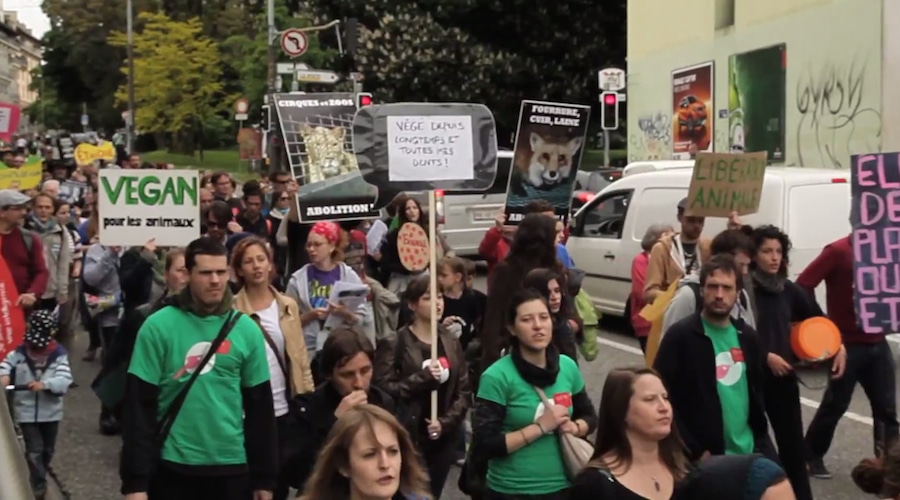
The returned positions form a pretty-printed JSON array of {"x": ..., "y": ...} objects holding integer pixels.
[
  {"x": 768, "y": 282},
  {"x": 41, "y": 227},
  {"x": 535, "y": 375},
  {"x": 184, "y": 300}
]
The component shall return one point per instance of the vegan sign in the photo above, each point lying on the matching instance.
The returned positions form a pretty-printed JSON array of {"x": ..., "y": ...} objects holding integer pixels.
[
  {"x": 136, "y": 206},
  {"x": 875, "y": 217},
  {"x": 723, "y": 183}
]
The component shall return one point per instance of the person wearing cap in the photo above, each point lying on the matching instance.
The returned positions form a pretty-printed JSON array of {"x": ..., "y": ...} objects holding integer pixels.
[
  {"x": 41, "y": 365},
  {"x": 677, "y": 255},
  {"x": 22, "y": 250}
]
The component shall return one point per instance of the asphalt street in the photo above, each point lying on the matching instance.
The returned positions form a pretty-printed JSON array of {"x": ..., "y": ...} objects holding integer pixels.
[{"x": 87, "y": 461}]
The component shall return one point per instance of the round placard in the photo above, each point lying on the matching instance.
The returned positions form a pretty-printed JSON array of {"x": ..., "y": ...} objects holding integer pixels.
[{"x": 413, "y": 247}]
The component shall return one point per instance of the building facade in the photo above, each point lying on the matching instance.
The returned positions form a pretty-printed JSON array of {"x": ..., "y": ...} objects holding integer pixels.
[{"x": 810, "y": 81}]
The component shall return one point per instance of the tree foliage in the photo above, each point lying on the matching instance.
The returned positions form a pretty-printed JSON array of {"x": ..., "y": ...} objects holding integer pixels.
[
  {"x": 177, "y": 76},
  {"x": 497, "y": 52}
]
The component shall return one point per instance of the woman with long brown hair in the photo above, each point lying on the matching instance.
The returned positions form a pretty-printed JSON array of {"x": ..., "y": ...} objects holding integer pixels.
[
  {"x": 638, "y": 453},
  {"x": 368, "y": 455},
  {"x": 279, "y": 320}
]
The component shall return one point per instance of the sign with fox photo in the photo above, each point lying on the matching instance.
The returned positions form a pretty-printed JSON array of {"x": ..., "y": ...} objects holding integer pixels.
[
  {"x": 425, "y": 146},
  {"x": 318, "y": 141},
  {"x": 547, "y": 153}
]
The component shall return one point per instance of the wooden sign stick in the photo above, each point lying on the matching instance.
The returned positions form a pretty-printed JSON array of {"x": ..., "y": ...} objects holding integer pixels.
[{"x": 432, "y": 290}]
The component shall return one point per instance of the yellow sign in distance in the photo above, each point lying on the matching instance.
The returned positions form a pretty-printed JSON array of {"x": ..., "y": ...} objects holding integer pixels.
[{"x": 86, "y": 154}]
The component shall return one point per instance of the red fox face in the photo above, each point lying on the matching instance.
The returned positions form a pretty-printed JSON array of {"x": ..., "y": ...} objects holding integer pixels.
[{"x": 551, "y": 161}]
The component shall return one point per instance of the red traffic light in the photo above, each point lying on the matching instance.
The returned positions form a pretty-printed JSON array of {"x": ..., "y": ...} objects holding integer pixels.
[
  {"x": 365, "y": 100},
  {"x": 610, "y": 99}
]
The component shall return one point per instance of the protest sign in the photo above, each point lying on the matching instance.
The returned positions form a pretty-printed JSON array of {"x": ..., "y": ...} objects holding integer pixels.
[
  {"x": 425, "y": 146},
  {"x": 317, "y": 138},
  {"x": 12, "y": 317},
  {"x": 9, "y": 120},
  {"x": 87, "y": 153},
  {"x": 137, "y": 205},
  {"x": 875, "y": 217},
  {"x": 726, "y": 182},
  {"x": 26, "y": 177},
  {"x": 548, "y": 149}
]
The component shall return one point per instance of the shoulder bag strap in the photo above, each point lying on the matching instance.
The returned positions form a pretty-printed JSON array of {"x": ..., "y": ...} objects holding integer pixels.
[
  {"x": 272, "y": 345},
  {"x": 168, "y": 418},
  {"x": 543, "y": 396}
]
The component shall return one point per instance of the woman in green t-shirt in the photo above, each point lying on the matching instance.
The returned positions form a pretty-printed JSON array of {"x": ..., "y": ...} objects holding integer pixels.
[{"x": 512, "y": 429}]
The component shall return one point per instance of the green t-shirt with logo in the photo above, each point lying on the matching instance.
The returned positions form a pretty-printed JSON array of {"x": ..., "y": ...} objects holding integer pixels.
[
  {"x": 537, "y": 468},
  {"x": 209, "y": 429},
  {"x": 734, "y": 394}
]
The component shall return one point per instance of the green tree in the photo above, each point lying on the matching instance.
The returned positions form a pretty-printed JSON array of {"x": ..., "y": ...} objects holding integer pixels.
[
  {"x": 177, "y": 80},
  {"x": 496, "y": 52},
  {"x": 247, "y": 56}
]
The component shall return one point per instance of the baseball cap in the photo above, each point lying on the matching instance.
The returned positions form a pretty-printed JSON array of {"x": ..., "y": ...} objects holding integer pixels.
[
  {"x": 683, "y": 204},
  {"x": 13, "y": 198}
]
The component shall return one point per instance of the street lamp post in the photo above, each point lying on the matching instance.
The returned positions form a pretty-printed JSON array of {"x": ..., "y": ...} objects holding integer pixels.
[{"x": 129, "y": 124}]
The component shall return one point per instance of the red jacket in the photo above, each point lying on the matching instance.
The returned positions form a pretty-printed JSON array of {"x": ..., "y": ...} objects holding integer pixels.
[
  {"x": 29, "y": 272},
  {"x": 638, "y": 275},
  {"x": 493, "y": 248}
]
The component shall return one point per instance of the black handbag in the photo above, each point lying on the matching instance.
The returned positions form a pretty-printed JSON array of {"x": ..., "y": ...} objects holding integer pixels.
[{"x": 168, "y": 418}]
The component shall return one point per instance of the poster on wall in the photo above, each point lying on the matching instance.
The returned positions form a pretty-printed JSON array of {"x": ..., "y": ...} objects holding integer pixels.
[
  {"x": 756, "y": 101},
  {"x": 692, "y": 96},
  {"x": 317, "y": 130},
  {"x": 548, "y": 148}
]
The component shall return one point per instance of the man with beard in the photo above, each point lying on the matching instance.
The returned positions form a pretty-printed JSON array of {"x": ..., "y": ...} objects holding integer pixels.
[
  {"x": 676, "y": 256},
  {"x": 218, "y": 440},
  {"x": 712, "y": 366}
]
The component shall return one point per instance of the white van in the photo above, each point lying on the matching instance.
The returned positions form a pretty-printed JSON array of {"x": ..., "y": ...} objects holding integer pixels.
[
  {"x": 467, "y": 216},
  {"x": 811, "y": 205}
]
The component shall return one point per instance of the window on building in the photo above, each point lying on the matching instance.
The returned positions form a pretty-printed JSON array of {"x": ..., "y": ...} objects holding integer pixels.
[{"x": 724, "y": 14}]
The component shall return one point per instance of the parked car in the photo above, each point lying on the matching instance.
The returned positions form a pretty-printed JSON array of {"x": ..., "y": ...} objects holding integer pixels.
[{"x": 587, "y": 184}]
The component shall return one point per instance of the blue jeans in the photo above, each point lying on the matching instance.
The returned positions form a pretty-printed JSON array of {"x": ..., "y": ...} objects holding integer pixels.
[{"x": 40, "y": 444}]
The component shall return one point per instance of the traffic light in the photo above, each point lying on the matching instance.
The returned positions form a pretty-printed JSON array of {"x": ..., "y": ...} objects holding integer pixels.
[
  {"x": 265, "y": 121},
  {"x": 609, "y": 111},
  {"x": 363, "y": 99}
]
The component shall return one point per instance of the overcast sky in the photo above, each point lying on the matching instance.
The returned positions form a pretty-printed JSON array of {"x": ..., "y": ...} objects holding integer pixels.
[{"x": 30, "y": 14}]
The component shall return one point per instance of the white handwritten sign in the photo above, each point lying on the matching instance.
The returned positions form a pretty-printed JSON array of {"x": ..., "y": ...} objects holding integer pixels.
[{"x": 430, "y": 148}]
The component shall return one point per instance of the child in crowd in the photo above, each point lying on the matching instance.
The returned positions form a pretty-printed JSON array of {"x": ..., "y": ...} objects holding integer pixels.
[
  {"x": 463, "y": 308},
  {"x": 41, "y": 365}
]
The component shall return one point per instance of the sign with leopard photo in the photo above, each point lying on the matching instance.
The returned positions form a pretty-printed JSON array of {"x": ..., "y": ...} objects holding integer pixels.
[{"x": 317, "y": 133}]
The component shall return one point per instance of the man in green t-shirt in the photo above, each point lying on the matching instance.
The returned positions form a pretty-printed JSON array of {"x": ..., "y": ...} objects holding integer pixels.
[
  {"x": 711, "y": 364},
  {"x": 223, "y": 443}
]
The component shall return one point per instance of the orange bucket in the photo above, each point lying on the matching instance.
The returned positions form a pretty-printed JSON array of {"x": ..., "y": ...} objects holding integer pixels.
[{"x": 815, "y": 339}]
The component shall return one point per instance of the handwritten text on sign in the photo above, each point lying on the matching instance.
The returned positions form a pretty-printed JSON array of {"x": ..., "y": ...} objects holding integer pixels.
[
  {"x": 430, "y": 148},
  {"x": 876, "y": 240},
  {"x": 724, "y": 182}
]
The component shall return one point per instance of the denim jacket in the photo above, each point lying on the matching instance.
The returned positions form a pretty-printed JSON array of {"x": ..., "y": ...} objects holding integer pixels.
[{"x": 44, "y": 406}]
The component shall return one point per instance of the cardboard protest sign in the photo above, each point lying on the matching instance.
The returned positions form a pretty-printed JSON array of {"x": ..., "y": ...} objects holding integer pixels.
[
  {"x": 425, "y": 146},
  {"x": 875, "y": 217},
  {"x": 549, "y": 144},
  {"x": 12, "y": 317},
  {"x": 250, "y": 144},
  {"x": 726, "y": 182},
  {"x": 412, "y": 245},
  {"x": 137, "y": 205},
  {"x": 318, "y": 140}
]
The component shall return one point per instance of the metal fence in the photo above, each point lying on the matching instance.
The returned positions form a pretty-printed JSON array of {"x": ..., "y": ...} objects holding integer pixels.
[{"x": 13, "y": 467}]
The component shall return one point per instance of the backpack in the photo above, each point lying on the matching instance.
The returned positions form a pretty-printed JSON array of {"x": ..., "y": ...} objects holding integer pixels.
[{"x": 28, "y": 239}]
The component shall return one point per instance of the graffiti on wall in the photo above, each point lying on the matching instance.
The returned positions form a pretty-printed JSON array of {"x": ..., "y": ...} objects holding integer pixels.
[
  {"x": 837, "y": 117},
  {"x": 653, "y": 141}
]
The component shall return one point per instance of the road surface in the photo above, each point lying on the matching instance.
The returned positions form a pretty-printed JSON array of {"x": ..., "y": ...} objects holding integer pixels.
[{"x": 87, "y": 461}]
